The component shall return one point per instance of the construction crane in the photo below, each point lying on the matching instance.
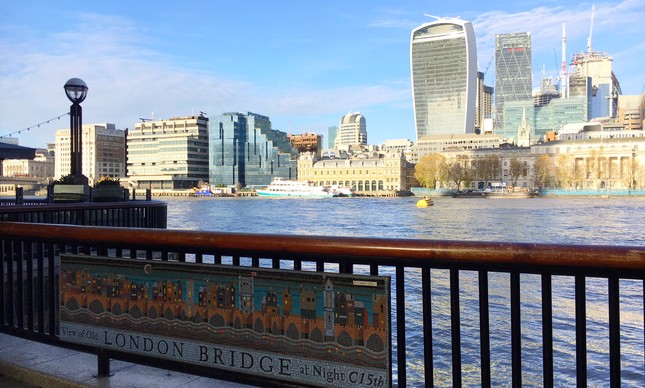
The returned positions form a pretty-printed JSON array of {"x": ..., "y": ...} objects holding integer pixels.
[{"x": 489, "y": 63}]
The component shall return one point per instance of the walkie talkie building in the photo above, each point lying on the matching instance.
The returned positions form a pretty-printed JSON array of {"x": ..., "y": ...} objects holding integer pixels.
[{"x": 443, "y": 59}]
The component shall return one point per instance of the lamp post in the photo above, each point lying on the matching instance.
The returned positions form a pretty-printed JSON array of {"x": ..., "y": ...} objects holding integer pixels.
[{"x": 76, "y": 91}]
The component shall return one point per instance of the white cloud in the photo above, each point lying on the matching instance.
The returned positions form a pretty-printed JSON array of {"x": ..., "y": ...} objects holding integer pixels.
[{"x": 127, "y": 80}]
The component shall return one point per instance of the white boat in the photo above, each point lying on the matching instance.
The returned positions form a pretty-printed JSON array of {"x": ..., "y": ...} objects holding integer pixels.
[
  {"x": 286, "y": 188},
  {"x": 341, "y": 191}
]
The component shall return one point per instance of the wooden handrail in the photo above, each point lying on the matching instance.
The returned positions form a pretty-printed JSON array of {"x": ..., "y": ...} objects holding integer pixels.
[{"x": 465, "y": 254}]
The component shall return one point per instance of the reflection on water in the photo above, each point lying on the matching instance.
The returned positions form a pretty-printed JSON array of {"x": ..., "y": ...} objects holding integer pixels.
[{"x": 604, "y": 221}]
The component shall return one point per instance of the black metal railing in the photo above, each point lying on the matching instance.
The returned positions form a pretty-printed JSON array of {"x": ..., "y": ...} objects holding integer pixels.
[
  {"x": 30, "y": 255},
  {"x": 135, "y": 214}
]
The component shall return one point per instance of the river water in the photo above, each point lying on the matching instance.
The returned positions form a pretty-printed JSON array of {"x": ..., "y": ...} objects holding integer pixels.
[{"x": 589, "y": 221}]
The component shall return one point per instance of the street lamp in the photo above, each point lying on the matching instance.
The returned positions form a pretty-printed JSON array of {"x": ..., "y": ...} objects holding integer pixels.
[{"x": 76, "y": 90}]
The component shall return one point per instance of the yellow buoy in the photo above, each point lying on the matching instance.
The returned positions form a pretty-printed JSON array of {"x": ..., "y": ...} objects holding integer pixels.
[{"x": 425, "y": 202}]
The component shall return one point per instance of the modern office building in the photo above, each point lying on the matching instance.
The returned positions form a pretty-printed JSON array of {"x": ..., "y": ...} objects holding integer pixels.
[
  {"x": 168, "y": 154},
  {"x": 307, "y": 142},
  {"x": 591, "y": 75},
  {"x": 541, "y": 119},
  {"x": 430, "y": 144},
  {"x": 331, "y": 136},
  {"x": 443, "y": 60},
  {"x": 352, "y": 130},
  {"x": 513, "y": 72},
  {"x": 246, "y": 151},
  {"x": 484, "y": 103},
  {"x": 103, "y": 152},
  {"x": 631, "y": 112}
]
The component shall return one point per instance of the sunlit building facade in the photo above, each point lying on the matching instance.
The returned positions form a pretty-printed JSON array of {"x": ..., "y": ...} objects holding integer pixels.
[
  {"x": 513, "y": 72},
  {"x": 352, "y": 130},
  {"x": 371, "y": 173},
  {"x": 443, "y": 59},
  {"x": 103, "y": 152},
  {"x": 168, "y": 154}
]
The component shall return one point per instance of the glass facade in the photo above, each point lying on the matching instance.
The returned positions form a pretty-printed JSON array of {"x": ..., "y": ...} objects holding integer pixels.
[
  {"x": 245, "y": 151},
  {"x": 513, "y": 73},
  {"x": 443, "y": 62},
  {"x": 542, "y": 119}
]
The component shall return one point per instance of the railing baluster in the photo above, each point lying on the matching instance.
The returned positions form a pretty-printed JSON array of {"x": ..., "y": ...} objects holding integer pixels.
[
  {"x": 400, "y": 325},
  {"x": 455, "y": 327},
  {"x": 484, "y": 329},
  {"x": 29, "y": 302},
  {"x": 614, "y": 331},
  {"x": 3, "y": 245},
  {"x": 426, "y": 290},
  {"x": 516, "y": 330},
  {"x": 20, "y": 299},
  {"x": 581, "y": 331},
  {"x": 52, "y": 287},
  {"x": 547, "y": 330}
]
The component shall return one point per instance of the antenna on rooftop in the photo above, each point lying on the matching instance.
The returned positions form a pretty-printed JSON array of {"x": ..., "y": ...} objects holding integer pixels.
[{"x": 431, "y": 16}]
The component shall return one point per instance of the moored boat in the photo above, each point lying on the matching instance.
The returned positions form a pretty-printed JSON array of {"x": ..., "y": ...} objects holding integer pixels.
[
  {"x": 341, "y": 191},
  {"x": 287, "y": 188}
]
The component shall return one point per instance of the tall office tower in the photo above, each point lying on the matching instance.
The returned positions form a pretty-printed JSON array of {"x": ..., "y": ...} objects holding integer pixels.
[
  {"x": 443, "y": 60},
  {"x": 103, "y": 152},
  {"x": 245, "y": 151},
  {"x": 604, "y": 89},
  {"x": 352, "y": 130},
  {"x": 484, "y": 103},
  {"x": 513, "y": 73},
  {"x": 331, "y": 136},
  {"x": 168, "y": 154}
]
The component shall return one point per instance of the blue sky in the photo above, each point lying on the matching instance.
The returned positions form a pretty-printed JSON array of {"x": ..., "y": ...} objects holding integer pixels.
[{"x": 302, "y": 63}]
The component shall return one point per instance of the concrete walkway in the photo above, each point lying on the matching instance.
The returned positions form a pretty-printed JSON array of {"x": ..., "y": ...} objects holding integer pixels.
[{"x": 32, "y": 364}]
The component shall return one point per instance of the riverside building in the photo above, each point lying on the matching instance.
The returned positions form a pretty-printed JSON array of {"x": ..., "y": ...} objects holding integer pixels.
[
  {"x": 430, "y": 144},
  {"x": 443, "y": 60},
  {"x": 168, "y": 154},
  {"x": 103, "y": 152},
  {"x": 246, "y": 151},
  {"x": 370, "y": 173}
]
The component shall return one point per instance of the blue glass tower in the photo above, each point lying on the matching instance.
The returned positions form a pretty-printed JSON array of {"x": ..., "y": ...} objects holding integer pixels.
[{"x": 245, "y": 151}]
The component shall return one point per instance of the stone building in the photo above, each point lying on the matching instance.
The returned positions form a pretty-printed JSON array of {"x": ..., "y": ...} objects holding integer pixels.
[{"x": 370, "y": 173}]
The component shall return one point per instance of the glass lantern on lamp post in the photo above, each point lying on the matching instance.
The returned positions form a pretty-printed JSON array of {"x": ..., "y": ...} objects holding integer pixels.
[{"x": 76, "y": 91}]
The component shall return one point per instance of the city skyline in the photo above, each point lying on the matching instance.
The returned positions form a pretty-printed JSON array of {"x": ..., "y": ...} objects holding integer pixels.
[{"x": 302, "y": 67}]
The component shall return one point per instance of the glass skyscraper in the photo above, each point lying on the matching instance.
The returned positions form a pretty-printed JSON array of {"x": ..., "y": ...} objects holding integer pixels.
[
  {"x": 513, "y": 73},
  {"x": 245, "y": 151},
  {"x": 443, "y": 59}
]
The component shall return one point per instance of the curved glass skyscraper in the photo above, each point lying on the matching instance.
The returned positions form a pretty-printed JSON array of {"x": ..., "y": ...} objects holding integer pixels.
[{"x": 443, "y": 59}]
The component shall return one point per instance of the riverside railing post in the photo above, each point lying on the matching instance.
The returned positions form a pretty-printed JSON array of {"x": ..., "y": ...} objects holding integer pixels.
[
  {"x": 19, "y": 195},
  {"x": 103, "y": 364}
]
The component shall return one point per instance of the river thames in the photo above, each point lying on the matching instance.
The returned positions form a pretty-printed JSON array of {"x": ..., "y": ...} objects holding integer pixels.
[{"x": 588, "y": 221}]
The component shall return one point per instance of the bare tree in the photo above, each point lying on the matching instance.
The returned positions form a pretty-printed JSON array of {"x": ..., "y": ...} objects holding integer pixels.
[
  {"x": 431, "y": 170},
  {"x": 460, "y": 171},
  {"x": 516, "y": 170},
  {"x": 488, "y": 168},
  {"x": 543, "y": 169}
]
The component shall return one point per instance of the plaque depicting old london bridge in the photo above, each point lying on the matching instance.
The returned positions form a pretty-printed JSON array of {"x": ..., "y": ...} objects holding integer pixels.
[{"x": 308, "y": 327}]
